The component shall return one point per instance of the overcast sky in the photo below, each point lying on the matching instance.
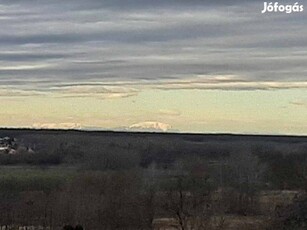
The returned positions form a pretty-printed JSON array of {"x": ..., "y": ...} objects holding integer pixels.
[{"x": 195, "y": 65}]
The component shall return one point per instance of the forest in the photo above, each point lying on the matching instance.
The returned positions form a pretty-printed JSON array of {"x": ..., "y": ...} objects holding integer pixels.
[{"x": 121, "y": 180}]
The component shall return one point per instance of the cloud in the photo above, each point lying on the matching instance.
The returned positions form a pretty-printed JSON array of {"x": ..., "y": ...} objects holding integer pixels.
[
  {"x": 169, "y": 112},
  {"x": 96, "y": 91},
  {"x": 230, "y": 85},
  {"x": 162, "y": 43},
  {"x": 18, "y": 93},
  {"x": 199, "y": 82},
  {"x": 23, "y": 67},
  {"x": 28, "y": 56},
  {"x": 124, "y": 89},
  {"x": 299, "y": 103}
]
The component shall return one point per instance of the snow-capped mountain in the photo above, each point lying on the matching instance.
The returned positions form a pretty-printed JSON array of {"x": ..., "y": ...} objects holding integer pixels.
[
  {"x": 57, "y": 126},
  {"x": 150, "y": 126}
]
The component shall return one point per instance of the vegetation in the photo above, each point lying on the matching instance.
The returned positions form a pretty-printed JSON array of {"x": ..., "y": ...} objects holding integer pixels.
[{"x": 101, "y": 180}]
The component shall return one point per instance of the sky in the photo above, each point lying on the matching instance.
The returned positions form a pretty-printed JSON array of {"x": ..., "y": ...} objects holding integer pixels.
[{"x": 191, "y": 66}]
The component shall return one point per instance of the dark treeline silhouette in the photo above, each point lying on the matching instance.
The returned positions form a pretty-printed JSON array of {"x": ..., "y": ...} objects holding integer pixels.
[{"x": 70, "y": 227}]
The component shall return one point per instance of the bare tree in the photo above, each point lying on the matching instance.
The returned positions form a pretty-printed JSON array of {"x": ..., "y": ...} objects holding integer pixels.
[{"x": 187, "y": 198}]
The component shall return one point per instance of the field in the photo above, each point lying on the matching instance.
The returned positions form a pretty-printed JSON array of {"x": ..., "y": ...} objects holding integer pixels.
[{"x": 117, "y": 180}]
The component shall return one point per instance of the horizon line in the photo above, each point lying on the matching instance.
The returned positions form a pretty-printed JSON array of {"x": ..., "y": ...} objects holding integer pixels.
[{"x": 172, "y": 132}]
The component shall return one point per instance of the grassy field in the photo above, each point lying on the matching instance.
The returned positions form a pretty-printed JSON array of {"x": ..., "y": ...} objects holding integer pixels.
[{"x": 15, "y": 179}]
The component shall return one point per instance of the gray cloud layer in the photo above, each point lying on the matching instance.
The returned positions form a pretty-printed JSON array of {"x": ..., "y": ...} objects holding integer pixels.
[{"x": 47, "y": 45}]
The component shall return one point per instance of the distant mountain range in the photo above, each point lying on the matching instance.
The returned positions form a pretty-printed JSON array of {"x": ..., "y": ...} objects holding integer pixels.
[{"x": 147, "y": 126}]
